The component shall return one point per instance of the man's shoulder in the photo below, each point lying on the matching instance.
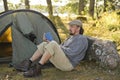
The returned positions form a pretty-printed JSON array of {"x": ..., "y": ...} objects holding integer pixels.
[
  {"x": 82, "y": 37},
  {"x": 83, "y": 40}
]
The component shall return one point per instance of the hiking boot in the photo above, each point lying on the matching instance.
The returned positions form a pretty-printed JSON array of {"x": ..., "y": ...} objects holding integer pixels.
[
  {"x": 24, "y": 65},
  {"x": 33, "y": 72}
]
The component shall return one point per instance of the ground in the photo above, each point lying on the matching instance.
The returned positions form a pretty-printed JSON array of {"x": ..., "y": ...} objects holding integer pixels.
[{"x": 84, "y": 71}]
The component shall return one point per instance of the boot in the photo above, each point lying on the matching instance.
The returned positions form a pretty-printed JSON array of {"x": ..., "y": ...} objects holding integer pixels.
[
  {"x": 24, "y": 65},
  {"x": 33, "y": 72}
]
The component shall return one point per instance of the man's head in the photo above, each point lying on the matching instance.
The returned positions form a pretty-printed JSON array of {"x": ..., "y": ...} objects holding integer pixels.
[{"x": 75, "y": 27}]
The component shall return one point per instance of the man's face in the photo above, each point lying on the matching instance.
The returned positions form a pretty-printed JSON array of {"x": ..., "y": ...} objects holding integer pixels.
[{"x": 73, "y": 29}]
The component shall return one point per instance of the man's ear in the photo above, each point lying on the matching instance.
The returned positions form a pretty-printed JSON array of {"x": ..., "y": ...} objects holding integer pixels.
[{"x": 78, "y": 28}]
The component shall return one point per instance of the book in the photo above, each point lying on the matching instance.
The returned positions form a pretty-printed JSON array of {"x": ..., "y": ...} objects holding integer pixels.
[{"x": 49, "y": 36}]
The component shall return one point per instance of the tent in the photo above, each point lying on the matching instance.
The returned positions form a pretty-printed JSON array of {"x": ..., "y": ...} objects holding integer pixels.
[{"x": 27, "y": 28}]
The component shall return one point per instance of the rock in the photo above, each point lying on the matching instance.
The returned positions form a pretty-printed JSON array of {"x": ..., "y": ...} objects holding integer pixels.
[{"x": 104, "y": 52}]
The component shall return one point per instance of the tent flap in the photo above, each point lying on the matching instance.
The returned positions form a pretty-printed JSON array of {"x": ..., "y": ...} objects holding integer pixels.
[{"x": 22, "y": 47}]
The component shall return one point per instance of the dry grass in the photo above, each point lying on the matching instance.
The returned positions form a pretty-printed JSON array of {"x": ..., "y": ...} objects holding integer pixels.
[{"x": 85, "y": 71}]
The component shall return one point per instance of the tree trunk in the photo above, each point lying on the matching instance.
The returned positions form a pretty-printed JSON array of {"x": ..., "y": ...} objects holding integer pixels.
[
  {"x": 112, "y": 4},
  {"x": 5, "y": 5},
  {"x": 81, "y": 7},
  {"x": 91, "y": 8},
  {"x": 97, "y": 10},
  {"x": 27, "y": 5},
  {"x": 105, "y": 5},
  {"x": 50, "y": 10}
]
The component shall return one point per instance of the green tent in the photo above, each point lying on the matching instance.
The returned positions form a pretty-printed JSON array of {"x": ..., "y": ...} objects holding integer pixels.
[{"x": 27, "y": 29}]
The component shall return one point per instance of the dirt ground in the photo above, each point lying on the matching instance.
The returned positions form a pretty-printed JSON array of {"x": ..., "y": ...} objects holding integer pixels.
[{"x": 85, "y": 71}]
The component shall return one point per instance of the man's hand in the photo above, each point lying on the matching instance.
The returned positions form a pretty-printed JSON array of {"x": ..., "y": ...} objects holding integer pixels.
[{"x": 44, "y": 39}]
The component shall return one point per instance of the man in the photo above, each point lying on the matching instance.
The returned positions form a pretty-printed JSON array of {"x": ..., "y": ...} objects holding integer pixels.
[{"x": 64, "y": 57}]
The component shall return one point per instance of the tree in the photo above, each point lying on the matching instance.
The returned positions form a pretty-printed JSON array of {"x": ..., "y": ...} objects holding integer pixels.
[
  {"x": 91, "y": 8},
  {"x": 70, "y": 8},
  {"x": 105, "y": 5},
  {"x": 111, "y": 5},
  {"x": 50, "y": 9},
  {"x": 27, "y": 5},
  {"x": 5, "y": 5},
  {"x": 81, "y": 7}
]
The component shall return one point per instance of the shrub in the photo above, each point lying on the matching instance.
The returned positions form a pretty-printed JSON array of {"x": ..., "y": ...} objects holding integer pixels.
[{"x": 110, "y": 21}]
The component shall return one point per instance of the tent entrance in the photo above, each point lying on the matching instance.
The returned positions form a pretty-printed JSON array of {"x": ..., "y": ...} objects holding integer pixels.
[{"x": 6, "y": 46}]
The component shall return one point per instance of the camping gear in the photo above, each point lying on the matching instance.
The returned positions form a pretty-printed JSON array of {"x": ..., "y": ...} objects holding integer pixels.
[{"x": 27, "y": 29}]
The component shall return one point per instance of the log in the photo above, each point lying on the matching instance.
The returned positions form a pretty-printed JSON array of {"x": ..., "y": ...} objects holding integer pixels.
[{"x": 104, "y": 52}]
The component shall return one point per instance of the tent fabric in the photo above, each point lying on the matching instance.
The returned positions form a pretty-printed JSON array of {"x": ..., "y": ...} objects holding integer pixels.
[
  {"x": 5, "y": 22},
  {"x": 22, "y": 47},
  {"x": 25, "y": 23}
]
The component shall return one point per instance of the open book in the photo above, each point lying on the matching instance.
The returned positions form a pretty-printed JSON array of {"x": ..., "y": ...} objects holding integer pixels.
[{"x": 49, "y": 36}]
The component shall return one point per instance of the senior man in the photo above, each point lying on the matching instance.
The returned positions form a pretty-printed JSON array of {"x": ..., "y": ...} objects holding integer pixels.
[{"x": 64, "y": 57}]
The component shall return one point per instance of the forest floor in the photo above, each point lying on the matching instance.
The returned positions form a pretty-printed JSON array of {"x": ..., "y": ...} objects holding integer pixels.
[{"x": 84, "y": 71}]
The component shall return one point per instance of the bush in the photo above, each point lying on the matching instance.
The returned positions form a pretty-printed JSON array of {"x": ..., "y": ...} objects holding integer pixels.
[
  {"x": 110, "y": 21},
  {"x": 116, "y": 38},
  {"x": 113, "y": 27}
]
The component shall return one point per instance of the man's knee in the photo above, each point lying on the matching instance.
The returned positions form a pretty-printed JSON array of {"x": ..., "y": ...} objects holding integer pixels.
[
  {"x": 42, "y": 44},
  {"x": 53, "y": 43},
  {"x": 51, "y": 46}
]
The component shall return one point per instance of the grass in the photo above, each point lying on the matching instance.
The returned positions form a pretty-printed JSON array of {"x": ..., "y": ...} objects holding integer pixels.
[{"x": 85, "y": 71}]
